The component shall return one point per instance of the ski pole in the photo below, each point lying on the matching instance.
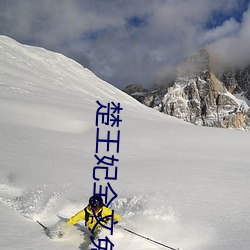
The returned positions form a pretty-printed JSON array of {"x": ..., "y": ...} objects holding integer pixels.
[
  {"x": 159, "y": 243},
  {"x": 45, "y": 228}
]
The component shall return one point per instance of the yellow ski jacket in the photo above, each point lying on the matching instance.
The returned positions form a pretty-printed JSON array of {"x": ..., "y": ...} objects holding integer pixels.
[{"x": 91, "y": 220}]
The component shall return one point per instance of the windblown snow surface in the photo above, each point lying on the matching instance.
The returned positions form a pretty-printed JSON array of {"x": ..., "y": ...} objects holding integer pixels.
[{"x": 182, "y": 185}]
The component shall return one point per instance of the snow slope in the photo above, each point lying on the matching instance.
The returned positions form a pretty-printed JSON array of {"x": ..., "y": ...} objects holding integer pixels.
[{"x": 179, "y": 184}]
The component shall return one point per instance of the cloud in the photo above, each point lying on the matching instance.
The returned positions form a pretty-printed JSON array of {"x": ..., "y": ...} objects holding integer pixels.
[
  {"x": 228, "y": 28},
  {"x": 232, "y": 50},
  {"x": 121, "y": 41}
]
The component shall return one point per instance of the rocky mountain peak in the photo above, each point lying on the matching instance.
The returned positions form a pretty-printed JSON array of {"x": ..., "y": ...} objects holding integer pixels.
[
  {"x": 196, "y": 64},
  {"x": 200, "y": 96}
]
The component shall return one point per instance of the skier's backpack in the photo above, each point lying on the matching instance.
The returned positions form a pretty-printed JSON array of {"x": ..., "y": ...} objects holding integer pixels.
[{"x": 89, "y": 216}]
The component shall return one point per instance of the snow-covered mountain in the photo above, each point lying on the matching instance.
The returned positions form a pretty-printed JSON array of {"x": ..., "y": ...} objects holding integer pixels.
[
  {"x": 237, "y": 81},
  {"x": 201, "y": 96},
  {"x": 183, "y": 185}
]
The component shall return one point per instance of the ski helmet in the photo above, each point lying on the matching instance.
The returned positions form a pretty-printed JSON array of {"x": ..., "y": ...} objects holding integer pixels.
[{"x": 96, "y": 203}]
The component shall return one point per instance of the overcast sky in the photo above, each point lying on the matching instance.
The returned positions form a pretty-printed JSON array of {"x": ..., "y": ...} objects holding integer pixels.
[{"x": 131, "y": 41}]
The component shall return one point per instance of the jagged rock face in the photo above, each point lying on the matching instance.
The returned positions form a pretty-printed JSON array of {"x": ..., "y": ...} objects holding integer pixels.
[
  {"x": 205, "y": 102},
  {"x": 237, "y": 81},
  {"x": 199, "y": 97},
  {"x": 136, "y": 90},
  {"x": 133, "y": 88}
]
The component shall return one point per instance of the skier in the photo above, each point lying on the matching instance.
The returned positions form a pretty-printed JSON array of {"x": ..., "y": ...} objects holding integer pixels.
[{"x": 95, "y": 204}]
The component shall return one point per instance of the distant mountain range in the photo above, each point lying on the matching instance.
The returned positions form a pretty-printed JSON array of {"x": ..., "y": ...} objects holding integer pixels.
[{"x": 201, "y": 94}]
